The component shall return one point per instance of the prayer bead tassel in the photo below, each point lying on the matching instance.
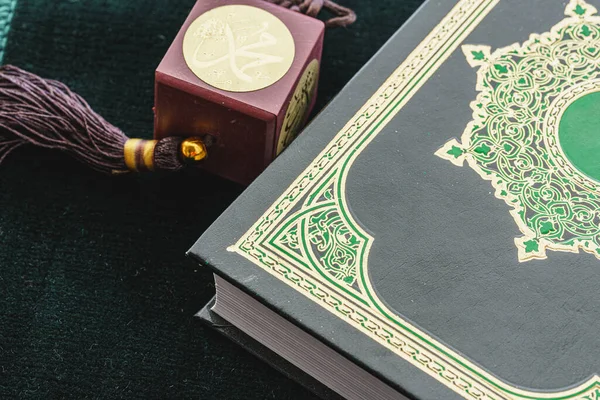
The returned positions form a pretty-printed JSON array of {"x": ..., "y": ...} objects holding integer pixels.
[{"x": 46, "y": 113}]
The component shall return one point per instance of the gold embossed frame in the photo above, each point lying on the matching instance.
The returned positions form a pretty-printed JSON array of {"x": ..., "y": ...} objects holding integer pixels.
[{"x": 308, "y": 239}]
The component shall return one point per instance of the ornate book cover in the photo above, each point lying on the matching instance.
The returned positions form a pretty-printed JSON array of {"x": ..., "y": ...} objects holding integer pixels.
[{"x": 439, "y": 222}]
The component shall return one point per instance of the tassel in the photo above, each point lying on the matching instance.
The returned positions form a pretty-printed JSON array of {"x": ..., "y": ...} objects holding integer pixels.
[{"x": 46, "y": 113}]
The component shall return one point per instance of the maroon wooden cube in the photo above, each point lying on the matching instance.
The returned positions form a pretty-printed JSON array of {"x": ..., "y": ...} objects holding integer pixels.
[{"x": 243, "y": 75}]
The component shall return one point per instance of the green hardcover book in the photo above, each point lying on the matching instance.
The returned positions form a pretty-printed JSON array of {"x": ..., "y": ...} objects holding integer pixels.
[{"x": 435, "y": 232}]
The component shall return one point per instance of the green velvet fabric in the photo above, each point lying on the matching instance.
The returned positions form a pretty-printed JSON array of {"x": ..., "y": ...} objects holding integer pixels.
[{"x": 97, "y": 296}]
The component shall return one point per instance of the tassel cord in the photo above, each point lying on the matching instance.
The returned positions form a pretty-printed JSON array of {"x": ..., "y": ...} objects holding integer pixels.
[{"x": 343, "y": 16}]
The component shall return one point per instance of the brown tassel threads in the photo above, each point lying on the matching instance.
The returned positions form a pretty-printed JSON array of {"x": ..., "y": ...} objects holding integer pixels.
[{"x": 46, "y": 113}]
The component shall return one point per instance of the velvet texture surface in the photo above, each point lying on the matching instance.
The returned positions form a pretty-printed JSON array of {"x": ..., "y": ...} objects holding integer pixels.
[{"x": 97, "y": 296}]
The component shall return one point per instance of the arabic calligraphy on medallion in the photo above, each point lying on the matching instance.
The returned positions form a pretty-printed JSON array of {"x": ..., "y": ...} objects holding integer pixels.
[
  {"x": 238, "y": 48},
  {"x": 299, "y": 105}
]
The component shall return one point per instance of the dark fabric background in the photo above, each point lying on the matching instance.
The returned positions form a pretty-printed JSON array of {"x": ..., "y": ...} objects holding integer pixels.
[{"x": 97, "y": 296}]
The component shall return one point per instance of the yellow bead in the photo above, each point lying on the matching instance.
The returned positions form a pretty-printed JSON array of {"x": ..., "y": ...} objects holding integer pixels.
[{"x": 193, "y": 150}]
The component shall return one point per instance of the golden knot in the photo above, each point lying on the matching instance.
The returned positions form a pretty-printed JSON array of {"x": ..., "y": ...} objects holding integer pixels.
[{"x": 193, "y": 150}]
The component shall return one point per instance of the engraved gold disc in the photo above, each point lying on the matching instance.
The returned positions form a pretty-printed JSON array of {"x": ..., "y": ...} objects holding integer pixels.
[
  {"x": 238, "y": 48},
  {"x": 301, "y": 99}
]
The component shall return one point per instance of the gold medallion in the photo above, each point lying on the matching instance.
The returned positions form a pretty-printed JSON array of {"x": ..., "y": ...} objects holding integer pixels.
[
  {"x": 238, "y": 48},
  {"x": 296, "y": 112}
]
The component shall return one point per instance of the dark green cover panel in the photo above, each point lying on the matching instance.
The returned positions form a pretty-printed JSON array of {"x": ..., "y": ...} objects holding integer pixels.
[{"x": 438, "y": 222}]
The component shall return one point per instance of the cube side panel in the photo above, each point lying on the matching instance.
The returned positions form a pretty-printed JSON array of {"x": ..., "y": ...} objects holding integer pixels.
[
  {"x": 300, "y": 101},
  {"x": 237, "y": 151}
]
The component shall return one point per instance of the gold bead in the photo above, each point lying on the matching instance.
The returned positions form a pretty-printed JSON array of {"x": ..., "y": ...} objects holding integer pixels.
[{"x": 193, "y": 150}]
